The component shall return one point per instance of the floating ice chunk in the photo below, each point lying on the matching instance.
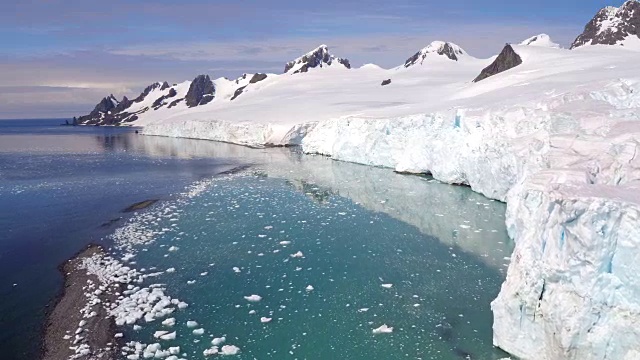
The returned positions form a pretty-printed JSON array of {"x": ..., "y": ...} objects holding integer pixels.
[
  {"x": 204, "y": 273},
  {"x": 299, "y": 254},
  {"x": 192, "y": 324},
  {"x": 253, "y": 298},
  {"x": 309, "y": 288},
  {"x": 285, "y": 242},
  {"x": 252, "y": 312},
  {"x": 363, "y": 310},
  {"x": 182, "y": 305},
  {"x": 236, "y": 269},
  {"x": 384, "y": 329},
  {"x": 174, "y": 350},
  {"x": 229, "y": 350},
  {"x": 173, "y": 248},
  {"x": 265, "y": 319},
  {"x": 211, "y": 351},
  {"x": 159, "y": 333},
  {"x": 387, "y": 286},
  {"x": 169, "y": 322},
  {"x": 170, "y": 270},
  {"x": 218, "y": 341},
  {"x": 198, "y": 331},
  {"x": 169, "y": 336}
]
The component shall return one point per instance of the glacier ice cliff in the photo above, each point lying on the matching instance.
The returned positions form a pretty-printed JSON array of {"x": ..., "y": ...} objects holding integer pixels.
[{"x": 569, "y": 171}]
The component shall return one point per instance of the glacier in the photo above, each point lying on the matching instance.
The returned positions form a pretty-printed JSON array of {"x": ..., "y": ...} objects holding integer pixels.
[{"x": 556, "y": 138}]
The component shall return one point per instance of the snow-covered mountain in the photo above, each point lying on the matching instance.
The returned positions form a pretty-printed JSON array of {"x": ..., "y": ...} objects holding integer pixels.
[
  {"x": 540, "y": 40},
  {"x": 613, "y": 26},
  {"x": 553, "y": 132},
  {"x": 448, "y": 50},
  {"x": 316, "y": 58}
]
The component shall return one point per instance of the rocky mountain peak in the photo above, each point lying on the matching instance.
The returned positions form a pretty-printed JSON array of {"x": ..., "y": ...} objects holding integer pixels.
[
  {"x": 437, "y": 48},
  {"x": 201, "y": 91},
  {"x": 612, "y": 26},
  {"x": 317, "y": 58},
  {"x": 507, "y": 59},
  {"x": 149, "y": 89}
]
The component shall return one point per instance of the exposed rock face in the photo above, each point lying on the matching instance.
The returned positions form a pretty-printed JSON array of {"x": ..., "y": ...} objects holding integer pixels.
[
  {"x": 106, "y": 104},
  {"x": 160, "y": 101},
  {"x": 146, "y": 92},
  {"x": 319, "y": 57},
  {"x": 238, "y": 92},
  {"x": 612, "y": 26},
  {"x": 507, "y": 59},
  {"x": 441, "y": 48},
  {"x": 386, "y": 82},
  {"x": 201, "y": 91},
  {"x": 257, "y": 78},
  {"x": 110, "y": 111}
]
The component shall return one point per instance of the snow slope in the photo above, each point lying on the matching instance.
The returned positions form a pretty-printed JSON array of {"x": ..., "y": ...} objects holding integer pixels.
[
  {"x": 281, "y": 109},
  {"x": 556, "y": 137}
]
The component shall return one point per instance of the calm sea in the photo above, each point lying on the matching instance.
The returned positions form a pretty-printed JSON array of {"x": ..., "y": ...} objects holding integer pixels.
[
  {"x": 60, "y": 187},
  {"x": 370, "y": 247}
]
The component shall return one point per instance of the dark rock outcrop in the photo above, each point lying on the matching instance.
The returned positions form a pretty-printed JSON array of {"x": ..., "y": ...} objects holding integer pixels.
[
  {"x": 201, "y": 91},
  {"x": 110, "y": 111},
  {"x": 507, "y": 59},
  {"x": 174, "y": 103},
  {"x": 238, "y": 92},
  {"x": 123, "y": 105},
  {"x": 146, "y": 92},
  {"x": 319, "y": 57},
  {"x": 257, "y": 78},
  {"x": 611, "y": 25},
  {"x": 160, "y": 101},
  {"x": 386, "y": 82}
]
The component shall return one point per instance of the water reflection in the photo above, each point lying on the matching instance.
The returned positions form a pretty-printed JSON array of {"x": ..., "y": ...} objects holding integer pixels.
[{"x": 457, "y": 216}]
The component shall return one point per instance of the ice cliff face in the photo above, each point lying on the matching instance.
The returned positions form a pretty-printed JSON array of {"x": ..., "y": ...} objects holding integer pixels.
[
  {"x": 572, "y": 290},
  {"x": 613, "y": 26},
  {"x": 570, "y": 173}
]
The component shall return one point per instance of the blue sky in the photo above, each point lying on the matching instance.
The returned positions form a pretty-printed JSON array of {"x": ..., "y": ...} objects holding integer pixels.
[{"x": 59, "y": 57}]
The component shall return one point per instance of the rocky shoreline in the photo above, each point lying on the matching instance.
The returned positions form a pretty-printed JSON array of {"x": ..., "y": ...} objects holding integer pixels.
[{"x": 68, "y": 332}]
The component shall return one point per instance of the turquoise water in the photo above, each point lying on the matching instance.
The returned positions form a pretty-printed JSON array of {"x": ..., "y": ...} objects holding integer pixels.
[{"x": 442, "y": 248}]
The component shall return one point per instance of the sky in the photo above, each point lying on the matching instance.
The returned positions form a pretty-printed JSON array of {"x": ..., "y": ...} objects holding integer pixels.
[{"x": 58, "y": 58}]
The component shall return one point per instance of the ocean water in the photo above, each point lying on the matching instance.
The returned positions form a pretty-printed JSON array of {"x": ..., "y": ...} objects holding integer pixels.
[
  {"x": 59, "y": 188},
  {"x": 439, "y": 250}
]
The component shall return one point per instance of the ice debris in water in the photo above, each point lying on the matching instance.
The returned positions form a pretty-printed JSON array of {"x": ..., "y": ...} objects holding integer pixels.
[
  {"x": 384, "y": 329},
  {"x": 299, "y": 254},
  {"x": 309, "y": 288},
  {"x": 265, "y": 319},
  {"x": 253, "y": 298},
  {"x": 229, "y": 350},
  {"x": 192, "y": 324},
  {"x": 387, "y": 286}
]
